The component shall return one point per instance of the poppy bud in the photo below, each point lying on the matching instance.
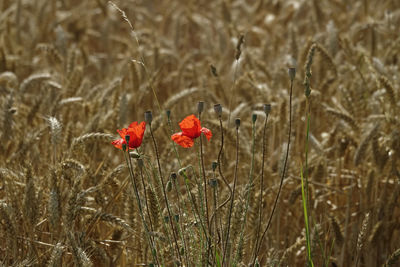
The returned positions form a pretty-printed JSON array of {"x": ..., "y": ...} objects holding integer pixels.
[
  {"x": 267, "y": 108},
  {"x": 148, "y": 117},
  {"x": 173, "y": 177},
  {"x": 168, "y": 186},
  {"x": 200, "y": 107},
  {"x": 292, "y": 73},
  {"x": 237, "y": 123},
  {"x": 166, "y": 218},
  {"x": 134, "y": 155},
  {"x": 168, "y": 112},
  {"x": 254, "y": 118},
  {"x": 218, "y": 110},
  {"x": 213, "y": 182},
  {"x": 307, "y": 92},
  {"x": 182, "y": 171},
  {"x": 214, "y": 165}
]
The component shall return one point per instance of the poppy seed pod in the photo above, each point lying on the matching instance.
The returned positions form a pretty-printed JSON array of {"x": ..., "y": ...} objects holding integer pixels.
[
  {"x": 292, "y": 73},
  {"x": 127, "y": 138},
  {"x": 213, "y": 182},
  {"x": 200, "y": 107},
  {"x": 237, "y": 123},
  {"x": 148, "y": 117},
  {"x": 168, "y": 112},
  {"x": 218, "y": 110},
  {"x": 214, "y": 165},
  {"x": 267, "y": 108}
]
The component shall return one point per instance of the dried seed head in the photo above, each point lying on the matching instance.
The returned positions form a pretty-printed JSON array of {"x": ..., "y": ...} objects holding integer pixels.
[
  {"x": 292, "y": 73},
  {"x": 239, "y": 47},
  {"x": 254, "y": 118},
  {"x": 218, "y": 110},
  {"x": 200, "y": 107},
  {"x": 267, "y": 108},
  {"x": 237, "y": 123},
  {"x": 148, "y": 117}
]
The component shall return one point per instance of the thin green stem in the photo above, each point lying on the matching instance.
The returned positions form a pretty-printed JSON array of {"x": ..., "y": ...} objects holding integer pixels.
[
  {"x": 165, "y": 195},
  {"x": 205, "y": 192},
  {"x": 260, "y": 201},
  {"x": 249, "y": 187},
  {"x": 308, "y": 241},
  {"x": 135, "y": 189},
  {"x": 282, "y": 176},
  {"x": 306, "y": 199},
  {"x": 232, "y": 198}
]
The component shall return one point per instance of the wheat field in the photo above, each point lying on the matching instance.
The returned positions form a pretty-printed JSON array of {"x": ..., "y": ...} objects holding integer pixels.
[{"x": 301, "y": 99}]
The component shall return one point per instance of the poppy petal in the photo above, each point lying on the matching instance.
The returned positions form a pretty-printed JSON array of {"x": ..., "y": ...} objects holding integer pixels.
[
  {"x": 207, "y": 133},
  {"x": 190, "y": 126},
  {"x": 182, "y": 140},
  {"x": 133, "y": 124},
  {"x": 118, "y": 143},
  {"x": 136, "y": 132},
  {"x": 122, "y": 132}
]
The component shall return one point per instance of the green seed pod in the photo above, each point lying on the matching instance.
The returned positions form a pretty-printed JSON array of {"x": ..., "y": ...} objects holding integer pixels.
[
  {"x": 267, "y": 108},
  {"x": 254, "y": 118},
  {"x": 200, "y": 107},
  {"x": 214, "y": 165},
  {"x": 148, "y": 117},
  {"x": 292, "y": 73},
  {"x": 218, "y": 110}
]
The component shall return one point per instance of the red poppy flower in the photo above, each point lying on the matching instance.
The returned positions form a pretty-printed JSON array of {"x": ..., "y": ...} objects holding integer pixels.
[
  {"x": 191, "y": 129},
  {"x": 135, "y": 132}
]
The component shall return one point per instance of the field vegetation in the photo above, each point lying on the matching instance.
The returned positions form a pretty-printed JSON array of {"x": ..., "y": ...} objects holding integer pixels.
[{"x": 296, "y": 160}]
